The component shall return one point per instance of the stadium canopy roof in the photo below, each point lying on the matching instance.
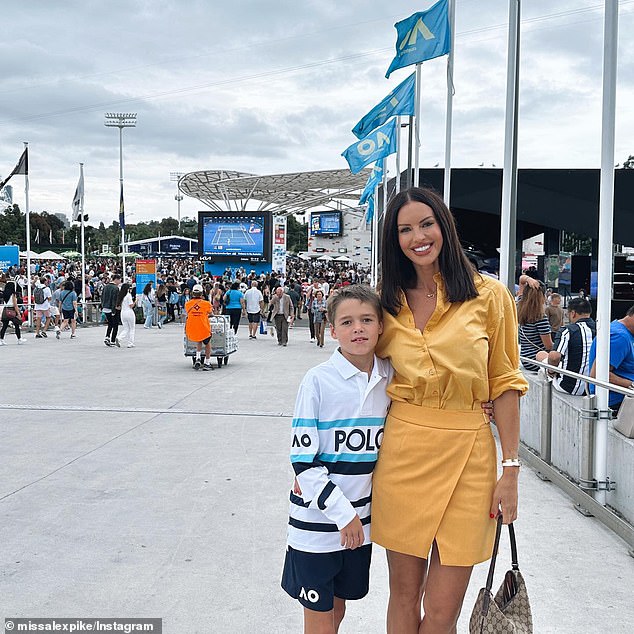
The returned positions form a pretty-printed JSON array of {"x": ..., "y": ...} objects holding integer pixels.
[{"x": 282, "y": 194}]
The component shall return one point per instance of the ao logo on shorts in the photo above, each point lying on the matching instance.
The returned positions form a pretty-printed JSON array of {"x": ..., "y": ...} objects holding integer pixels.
[{"x": 311, "y": 595}]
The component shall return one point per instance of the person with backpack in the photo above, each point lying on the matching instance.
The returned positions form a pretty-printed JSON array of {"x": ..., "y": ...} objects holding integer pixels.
[
  {"x": 42, "y": 299},
  {"x": 68, "y": 306}
]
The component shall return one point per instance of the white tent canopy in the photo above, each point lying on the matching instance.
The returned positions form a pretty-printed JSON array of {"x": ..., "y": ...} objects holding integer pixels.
[
  {"x": 50, "y": 255},
  {"x": 325, "y": 258},
  {"x": 342, "y": 258},
  {"x": 31, "y": 254}
]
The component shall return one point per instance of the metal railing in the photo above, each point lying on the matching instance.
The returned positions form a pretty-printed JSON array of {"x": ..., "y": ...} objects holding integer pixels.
[{"x": 584, "y": 492}]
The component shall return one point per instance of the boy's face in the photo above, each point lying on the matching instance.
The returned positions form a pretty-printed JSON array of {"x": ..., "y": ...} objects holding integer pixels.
[{"x": 357, "y": 328}]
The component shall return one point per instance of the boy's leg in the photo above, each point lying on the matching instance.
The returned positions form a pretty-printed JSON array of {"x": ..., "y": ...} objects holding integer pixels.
[{"x": 320, "y": 622}]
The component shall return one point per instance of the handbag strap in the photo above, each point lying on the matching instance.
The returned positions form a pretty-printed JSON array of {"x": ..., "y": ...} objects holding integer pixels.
[{"x": 496, "y": 546}]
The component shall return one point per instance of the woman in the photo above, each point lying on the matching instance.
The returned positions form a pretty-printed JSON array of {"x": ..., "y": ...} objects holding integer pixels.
[
  {"x": 534, "y": 327},
  {"x": 161, "y": 305},
  {"x": 234, "y": 305},
  {"x": 10, "y": 312},
  {"x": 451, "y": 337},
  {"x": 318, "y": 309},
  {"x": 128, "y": 318},
  {"x": 68, "y": 307},
  {"x": 148, "y": 305}
]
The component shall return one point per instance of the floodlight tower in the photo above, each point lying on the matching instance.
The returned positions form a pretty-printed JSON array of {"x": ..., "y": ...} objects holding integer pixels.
[
  {"x": 175, "y": 177},
  {"x": 121, "y": 120}
]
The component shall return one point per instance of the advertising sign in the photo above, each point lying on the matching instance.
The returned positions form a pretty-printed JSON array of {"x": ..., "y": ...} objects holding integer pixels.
[
  {"x": 145, "y": 272},
  {"x": 9, "y": 256},
  {"x": 279, "y": 245}
]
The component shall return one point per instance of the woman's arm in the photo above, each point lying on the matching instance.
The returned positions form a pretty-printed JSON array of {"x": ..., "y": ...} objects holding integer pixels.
[
  {"x": 507, "y": 420},
  {"x": 547, "y": 341}
]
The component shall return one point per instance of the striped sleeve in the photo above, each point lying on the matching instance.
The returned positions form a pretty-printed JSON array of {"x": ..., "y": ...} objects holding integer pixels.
[{"x": 312, "y": 475}]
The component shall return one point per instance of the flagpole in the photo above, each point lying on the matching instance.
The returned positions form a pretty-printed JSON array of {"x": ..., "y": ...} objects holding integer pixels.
[
  {"x": 397, "y": 187},
  {"x": 508, "y": 220},
  {"x": 419, "y": 71},
  {"x": 450, "y": 91},
  {"x": 410, "y": 151},
  {"x": 28, "y": 242},
  {"x": 83, "y": 250},
  {"x": 606, "y": 231}
]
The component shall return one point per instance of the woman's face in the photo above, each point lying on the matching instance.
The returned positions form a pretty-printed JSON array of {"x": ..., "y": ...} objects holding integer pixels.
[{"x": 419, "y": 234}]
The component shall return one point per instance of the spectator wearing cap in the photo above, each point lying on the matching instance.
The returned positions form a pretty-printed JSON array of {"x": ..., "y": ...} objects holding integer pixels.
[{"x": 198, "y": 328}]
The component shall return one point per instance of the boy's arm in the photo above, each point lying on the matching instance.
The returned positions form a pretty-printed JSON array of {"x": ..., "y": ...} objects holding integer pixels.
[{"x": 311, "y": 474}]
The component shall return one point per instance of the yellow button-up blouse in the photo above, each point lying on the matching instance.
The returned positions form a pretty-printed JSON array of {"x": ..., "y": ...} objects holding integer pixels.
[{"x": 467, "y": 353}]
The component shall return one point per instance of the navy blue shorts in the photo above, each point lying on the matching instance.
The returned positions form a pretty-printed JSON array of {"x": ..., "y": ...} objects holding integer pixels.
[{"x": 315, "y": 579}]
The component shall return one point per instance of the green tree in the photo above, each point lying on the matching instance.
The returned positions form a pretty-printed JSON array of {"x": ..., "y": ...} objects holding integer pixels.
[{"x": 297, "y": 235}]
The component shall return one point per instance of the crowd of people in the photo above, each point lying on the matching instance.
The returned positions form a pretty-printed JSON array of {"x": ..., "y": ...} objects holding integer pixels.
[{"x": 58, "y": 301}]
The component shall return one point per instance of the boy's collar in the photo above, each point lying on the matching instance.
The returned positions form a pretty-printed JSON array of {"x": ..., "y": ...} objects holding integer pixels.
[{"x": 348, "y": 370}]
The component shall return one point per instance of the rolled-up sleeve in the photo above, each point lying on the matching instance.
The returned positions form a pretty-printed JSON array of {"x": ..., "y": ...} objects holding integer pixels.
[{"x": 504, "y": 372}]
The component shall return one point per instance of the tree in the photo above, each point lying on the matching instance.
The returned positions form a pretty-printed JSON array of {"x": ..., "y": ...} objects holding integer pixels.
[
  {"x": 628, "y": 164},
  {"x": 297, "y": 235}
]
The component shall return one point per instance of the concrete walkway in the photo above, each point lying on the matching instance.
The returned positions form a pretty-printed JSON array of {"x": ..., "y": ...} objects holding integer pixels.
[{"x": 132, "y": 486}]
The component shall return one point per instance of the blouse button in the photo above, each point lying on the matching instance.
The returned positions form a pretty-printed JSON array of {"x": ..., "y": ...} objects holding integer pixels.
[{"x": 431, "y": 372}]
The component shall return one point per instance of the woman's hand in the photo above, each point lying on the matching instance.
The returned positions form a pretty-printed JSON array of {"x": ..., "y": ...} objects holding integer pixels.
[{"x": 505, "y": 496}]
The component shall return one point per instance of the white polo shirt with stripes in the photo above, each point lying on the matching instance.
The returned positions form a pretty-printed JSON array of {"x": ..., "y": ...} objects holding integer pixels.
[{"x": 336, "y": 434}]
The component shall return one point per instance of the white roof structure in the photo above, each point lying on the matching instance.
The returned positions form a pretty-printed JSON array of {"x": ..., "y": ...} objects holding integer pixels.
[{"x": 282, "y": 194}]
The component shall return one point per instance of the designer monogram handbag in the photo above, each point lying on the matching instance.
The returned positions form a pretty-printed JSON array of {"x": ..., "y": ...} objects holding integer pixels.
[{"x": 509, "y": 611}]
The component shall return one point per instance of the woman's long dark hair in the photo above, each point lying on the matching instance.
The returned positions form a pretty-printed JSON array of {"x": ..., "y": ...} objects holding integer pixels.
[
  {"x": 8, "y": 291},
  {"x": 123, "y": 291},
  {"x": 147, "y": 289},
  {"x": 397, "y": 271}
]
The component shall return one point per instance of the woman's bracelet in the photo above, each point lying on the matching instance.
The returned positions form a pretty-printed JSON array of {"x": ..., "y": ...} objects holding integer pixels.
[{"x": 511, "y": 462}]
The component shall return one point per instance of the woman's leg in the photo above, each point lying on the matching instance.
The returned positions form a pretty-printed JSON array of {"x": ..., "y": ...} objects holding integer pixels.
[
  {"x": 444, "y": 594},
  {"x": 148, "y": 319},
  {"x": 131, "y": 327},
  {"x": 5, "y": 325},
  {"x": 73, "y": 326},
  {"x": 407, "y": 580},
  {"x": 16, "y": 325}
]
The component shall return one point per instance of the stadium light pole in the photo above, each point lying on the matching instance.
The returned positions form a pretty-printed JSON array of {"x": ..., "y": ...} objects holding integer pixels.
[
  {"x": 121, "y": 120},
  {"x": 175, "y": 177}
]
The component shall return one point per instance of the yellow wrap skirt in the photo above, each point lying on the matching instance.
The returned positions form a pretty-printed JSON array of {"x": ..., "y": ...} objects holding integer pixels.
[{"x": 434, "y": 481}]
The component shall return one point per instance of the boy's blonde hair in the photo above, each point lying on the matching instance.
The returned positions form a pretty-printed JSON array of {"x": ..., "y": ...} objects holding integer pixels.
[{"x": 360, "y": 292}]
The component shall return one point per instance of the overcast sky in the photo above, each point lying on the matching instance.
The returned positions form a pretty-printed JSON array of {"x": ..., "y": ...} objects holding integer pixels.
[{"x": 273, "y": 86}]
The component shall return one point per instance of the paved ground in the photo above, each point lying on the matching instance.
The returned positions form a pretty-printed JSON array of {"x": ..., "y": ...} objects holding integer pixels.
[{"x": 132, "y": 486}]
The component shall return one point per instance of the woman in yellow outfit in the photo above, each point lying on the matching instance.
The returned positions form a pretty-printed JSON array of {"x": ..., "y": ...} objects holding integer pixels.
[{"x": 451, "y": 335}]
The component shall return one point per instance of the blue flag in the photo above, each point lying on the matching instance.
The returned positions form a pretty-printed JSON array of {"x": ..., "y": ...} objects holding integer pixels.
[
  {"x": 375, "y": 178},
  {"x": 369, "y": 212},
  {"x": 399, "y": 101},
  {"x": 377, "y": 145},
  {"x": 422, "y": 36}
]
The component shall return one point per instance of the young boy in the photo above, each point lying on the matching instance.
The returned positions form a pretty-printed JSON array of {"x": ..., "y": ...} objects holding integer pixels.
[
  {"x": 337, "y": 430},
  {"x": 198, "y": 328}
]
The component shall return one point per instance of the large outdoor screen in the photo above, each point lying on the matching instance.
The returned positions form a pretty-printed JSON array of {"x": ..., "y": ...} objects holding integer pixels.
[
  {"x": 242, "y": 235},
  {"x": 325, "y": 223}
]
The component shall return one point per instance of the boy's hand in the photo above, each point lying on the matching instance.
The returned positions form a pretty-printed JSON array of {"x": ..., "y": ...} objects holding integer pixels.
[
  {"x": 352, "y": 534},
  {"x": 296, "y": 489}
]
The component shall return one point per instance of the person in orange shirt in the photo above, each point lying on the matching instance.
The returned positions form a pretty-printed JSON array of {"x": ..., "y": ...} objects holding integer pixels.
[{"x": 198, "y": 328}]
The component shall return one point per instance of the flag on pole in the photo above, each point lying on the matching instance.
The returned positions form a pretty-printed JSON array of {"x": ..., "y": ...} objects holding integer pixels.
[
  {"x": 377, "y": 145},
  {"x": 373, "y": 180},
  {"x": 21, "y": 168},
  {"x": 369, "y": 212},
  {"x": 78, "y": 199},
  {"x": 399, "y": 101},
  {"x": 424, "y": 35},
  {"x": 121, "y": 211}
]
